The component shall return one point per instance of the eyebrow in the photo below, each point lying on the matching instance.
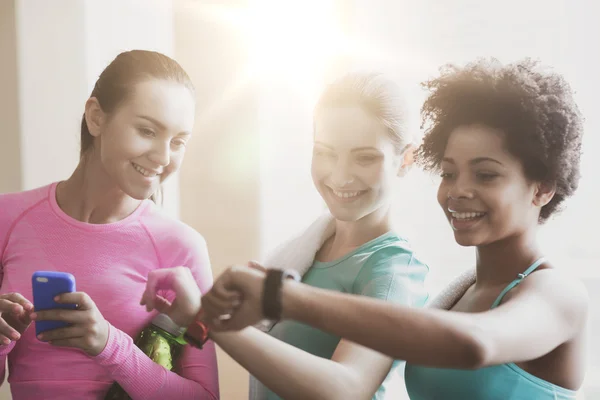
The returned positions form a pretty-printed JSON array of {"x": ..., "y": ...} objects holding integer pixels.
[
  {"x": 474, "y": 161},
  {"x": 353, "y": 150},
  {"x": 365, "y": 148},
  {"x": 161, "y": 125},
  {"x": 323, "y": 144}
]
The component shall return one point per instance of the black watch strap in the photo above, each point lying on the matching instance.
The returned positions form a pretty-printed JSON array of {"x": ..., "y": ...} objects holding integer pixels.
[{"x": 272, "y": 306}]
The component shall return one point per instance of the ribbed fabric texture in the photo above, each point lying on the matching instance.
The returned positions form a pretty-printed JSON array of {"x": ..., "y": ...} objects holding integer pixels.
[{"x": 110, "y": 263}]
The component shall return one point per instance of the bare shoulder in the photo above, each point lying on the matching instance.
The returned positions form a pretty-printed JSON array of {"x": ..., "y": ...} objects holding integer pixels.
[{"x": 559, "y": 289}]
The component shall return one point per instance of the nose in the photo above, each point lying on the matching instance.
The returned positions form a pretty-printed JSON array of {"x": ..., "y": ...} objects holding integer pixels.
[
  {"x": 161, "y": 153},
  {"x": 460, "y": 189},
  {"x": 341, "y": 175}
]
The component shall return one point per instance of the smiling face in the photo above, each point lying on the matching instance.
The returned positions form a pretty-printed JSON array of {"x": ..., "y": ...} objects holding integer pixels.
[
  {"x": 354, "y": 163},
  {"x": 484, "y": 192},
  {"x": 142, "y": 142}
]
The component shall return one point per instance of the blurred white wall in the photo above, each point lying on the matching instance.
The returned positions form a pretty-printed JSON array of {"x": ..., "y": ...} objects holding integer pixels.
[{"x": 10, "y": 140}]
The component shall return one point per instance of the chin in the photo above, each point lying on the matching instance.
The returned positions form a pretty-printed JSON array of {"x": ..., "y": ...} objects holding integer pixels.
[
  {"x": 139, "y": 193},
  {"x": 345, "y": 215},
  {"x": 467, "y": 240},
  {"x": 350, "y": 214},
  {"x": 464, "y": 242}
]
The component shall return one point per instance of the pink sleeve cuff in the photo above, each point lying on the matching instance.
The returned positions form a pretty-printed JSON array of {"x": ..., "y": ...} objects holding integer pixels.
[
  {"x": 129, "y": 366},
  {"x": 5, "y": 349},
  {"x": 142, "y": 378},
  {"x": 114, "y": 352}
]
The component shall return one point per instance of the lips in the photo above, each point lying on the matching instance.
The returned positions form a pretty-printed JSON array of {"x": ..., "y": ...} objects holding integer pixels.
[
  {"x": 345, "y": 196},
  {"x": 145, "y": 172},
  {"x": 465, "y": 215},
  {"x": 465, "y": 220}
]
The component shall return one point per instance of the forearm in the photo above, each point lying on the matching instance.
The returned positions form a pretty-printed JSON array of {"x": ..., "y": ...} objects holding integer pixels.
[
  {"x": 288, "y": 371},
  {"x": 426, "y": 337},
  {"x": 142, "y": 378}
]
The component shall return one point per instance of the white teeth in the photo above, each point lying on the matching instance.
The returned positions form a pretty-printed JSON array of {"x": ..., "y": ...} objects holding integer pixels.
[
  {"x": 144, "y": 172},
  {"x": 467, "y": 215},
  {"x": 346, "y": 195}
]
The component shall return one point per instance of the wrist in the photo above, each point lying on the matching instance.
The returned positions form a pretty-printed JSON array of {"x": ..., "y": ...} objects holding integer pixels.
[
  {"x": 197, "y": 333},
  {"x": 291, "y": 297},
  {"x": 185, "y": 318},
  {"x": 102, "y": 343},
  {"x": 275, "y": 279}
]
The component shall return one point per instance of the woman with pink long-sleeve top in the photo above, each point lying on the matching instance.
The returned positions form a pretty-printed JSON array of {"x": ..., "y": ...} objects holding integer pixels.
[{"x": 101, "y": 226}]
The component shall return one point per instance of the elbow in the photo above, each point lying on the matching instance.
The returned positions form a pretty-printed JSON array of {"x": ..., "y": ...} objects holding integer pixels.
[
  {"x": 345, "y": 385},
  {"x": 348, "y": 395},
  {"x": 330, "y": 393},
  {"x": 352, "y": 387},
  {"x": 477, "y": 349},
  {"x": 214, "y": 396}
]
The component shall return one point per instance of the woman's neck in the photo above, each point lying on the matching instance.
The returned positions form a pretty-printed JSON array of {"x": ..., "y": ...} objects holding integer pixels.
[
  {"x": 500, "y": 262},
  {"x": 350, "y": 235},
  {"x": 91, "y": 196}
]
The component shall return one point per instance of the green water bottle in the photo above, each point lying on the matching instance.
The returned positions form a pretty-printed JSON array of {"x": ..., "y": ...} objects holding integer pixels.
[{"x": 159, "y": 341}]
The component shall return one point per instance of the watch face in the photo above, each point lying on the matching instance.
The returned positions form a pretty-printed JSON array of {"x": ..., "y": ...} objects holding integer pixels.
[{"x": 291, "y": 274}]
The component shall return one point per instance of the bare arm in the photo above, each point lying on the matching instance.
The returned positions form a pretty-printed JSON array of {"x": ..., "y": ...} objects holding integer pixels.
[
  {"x": 545, "y": 311},
  {"x": 354, "y": 372}
]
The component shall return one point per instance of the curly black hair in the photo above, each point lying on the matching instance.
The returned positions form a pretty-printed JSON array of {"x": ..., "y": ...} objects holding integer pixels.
[{"x": 532, "y": 106}]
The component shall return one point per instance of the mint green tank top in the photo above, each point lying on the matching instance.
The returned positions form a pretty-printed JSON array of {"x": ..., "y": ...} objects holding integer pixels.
[
  {"x": 384, "y": 268},
  {"x": 498, "y": 382}
]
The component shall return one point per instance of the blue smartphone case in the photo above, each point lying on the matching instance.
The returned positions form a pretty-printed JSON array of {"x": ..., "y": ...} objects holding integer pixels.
[{"x": 47, "y": 285}]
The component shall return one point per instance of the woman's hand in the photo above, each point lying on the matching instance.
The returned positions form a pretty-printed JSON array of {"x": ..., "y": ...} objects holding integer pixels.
[
  {"x": 184, "y": 309},
  {"x": 88, "y": 330},
  {"x": 15, "y": 311},
  {"x": 235, "y": 300}
]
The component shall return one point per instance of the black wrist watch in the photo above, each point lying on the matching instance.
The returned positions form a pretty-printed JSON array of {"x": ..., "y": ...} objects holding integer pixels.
[{"x": 272, "y": 306}]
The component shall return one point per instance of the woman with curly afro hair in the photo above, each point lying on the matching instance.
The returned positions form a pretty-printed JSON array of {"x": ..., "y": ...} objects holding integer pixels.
[{"x": 507, "y": 142}]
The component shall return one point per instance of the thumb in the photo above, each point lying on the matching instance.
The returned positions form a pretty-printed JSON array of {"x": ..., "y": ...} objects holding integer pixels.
[
  {"x": 150, "y": 293},
  {"x": 162, "y": 305},
  {"x": 255, "y": 265}
]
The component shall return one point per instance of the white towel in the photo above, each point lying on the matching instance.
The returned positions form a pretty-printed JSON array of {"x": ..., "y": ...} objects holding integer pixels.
[
  {"x": 299, "y": 253},
  {"x": 448, "y": 297}
]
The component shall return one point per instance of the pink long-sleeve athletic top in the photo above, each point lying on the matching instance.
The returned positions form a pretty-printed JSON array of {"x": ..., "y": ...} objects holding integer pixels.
[{"x": 110, "y": 263}]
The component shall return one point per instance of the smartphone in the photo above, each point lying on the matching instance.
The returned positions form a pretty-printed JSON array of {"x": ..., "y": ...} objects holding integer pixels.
[{"x": 47, "y": 285}]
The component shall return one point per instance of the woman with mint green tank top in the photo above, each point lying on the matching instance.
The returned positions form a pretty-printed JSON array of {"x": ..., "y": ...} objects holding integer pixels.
[{"x": 506, "y": 140}]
